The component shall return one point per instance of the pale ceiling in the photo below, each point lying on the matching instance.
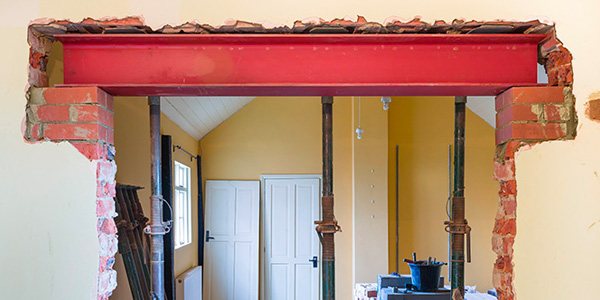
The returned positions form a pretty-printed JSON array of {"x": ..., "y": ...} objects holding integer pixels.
[{"x": 199, "y": 115}]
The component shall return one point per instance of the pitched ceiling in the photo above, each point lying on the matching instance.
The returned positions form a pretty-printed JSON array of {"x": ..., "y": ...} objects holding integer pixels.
[{"x": 199, "y": 115}]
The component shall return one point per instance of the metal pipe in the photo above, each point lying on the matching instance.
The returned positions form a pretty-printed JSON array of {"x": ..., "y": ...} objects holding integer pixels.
[
  {"x": 157, "y": 228},
  {"x": 448, "y": 206},
  {"x": 328, "y": 220},
  {"x": 458, "y": 222},
  {"x": 398, "y": 209},
  {"x": 192, "y": 156}
]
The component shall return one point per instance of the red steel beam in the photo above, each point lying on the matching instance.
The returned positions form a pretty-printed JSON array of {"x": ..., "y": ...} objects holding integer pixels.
[{"x": 300, "y": 64}]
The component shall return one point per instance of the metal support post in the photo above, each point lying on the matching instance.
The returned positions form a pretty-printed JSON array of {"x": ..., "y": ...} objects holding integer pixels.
[
  {"x": 457, "y": 226},
  {"x": 328, "y": 226},
  {"x": 157, "y": 228}
]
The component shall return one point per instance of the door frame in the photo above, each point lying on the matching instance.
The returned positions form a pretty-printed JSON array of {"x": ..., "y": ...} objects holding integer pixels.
[
  {"x": 262, "y": 220},
  {"x": 207, "y": 214}
]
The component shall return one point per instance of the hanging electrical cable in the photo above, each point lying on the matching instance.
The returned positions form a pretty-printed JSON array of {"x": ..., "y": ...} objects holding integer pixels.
[{"x": 359, "y": 130}]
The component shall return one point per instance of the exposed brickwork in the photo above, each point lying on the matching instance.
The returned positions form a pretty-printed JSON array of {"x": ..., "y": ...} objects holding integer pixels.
[
  {"x": 525, "y": 116},
  {"x": 557, "y": 61},
  {"x": 535, "y": 114},
  {"x": 83, "y": 116},
  {"x": 107, "y": 230},
  {"x": 80, "y": 114},
  {"x": 505, "y": 228},
  {"x": 39, "y": 51}
]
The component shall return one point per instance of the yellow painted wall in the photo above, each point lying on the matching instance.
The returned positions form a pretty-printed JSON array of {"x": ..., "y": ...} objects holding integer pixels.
[
  {"x": 369, "y": 174},
  {"x": 283, "y": 136},
  {"x": 132, "y": 141},
  {"x": 423, "y": 128},
  {"x": 568, "y": 168}
]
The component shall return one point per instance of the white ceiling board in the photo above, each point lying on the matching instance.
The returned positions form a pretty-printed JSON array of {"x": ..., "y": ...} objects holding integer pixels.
[
  {"x": 170, "y": 111},
  {"x": 484, "y": 107},
  {"x": 199, "y": 115}
]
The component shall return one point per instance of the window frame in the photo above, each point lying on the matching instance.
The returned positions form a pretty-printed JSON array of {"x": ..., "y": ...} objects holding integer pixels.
[{"x": 182, "y": 208}]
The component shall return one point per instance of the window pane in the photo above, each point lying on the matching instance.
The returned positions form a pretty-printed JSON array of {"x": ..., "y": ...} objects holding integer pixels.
[{"x": 182, "y": 205}]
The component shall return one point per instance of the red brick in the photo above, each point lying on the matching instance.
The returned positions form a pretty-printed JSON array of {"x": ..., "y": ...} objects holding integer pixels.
[
  {"x": 102, "y": 264},
  {"x": 500, "y": 136},
  {"x": 84, "y": 113},
  {"x": 101, "y": 98},
  {"x": 105, "y": 171},
  {"x": 509, "y": 226},
  {"x": 554, "y": 131},
  {"x": 505, "y": 295},
  {"x": 110, "y": 136},
  {"x": 504, "y": 171},
  {"x": 543, "y": 94},
  {"x": 36, "y": 132},
  {"x": 105, "y": 207},
  {"x": 552, "y": 112},
  {"x": 510, "y": 207},
  {"x": 499, "y": 264},
  {"x": 525, "y": 131},
  {"x": 508, "y": 188},
  {"x": 497, "y": 244},
  {"x": 498, "y": 226},
  {"x": 99, "y": 190},
  {"x": 37, "y": 60},
  {"x": 53, "y": 113},
  {"x": 558, "y": 58},
  {"x": 515, "y": 113},
  {"x": 37, "y": 77},
  {"x": 91, "y": 113},
  {"x": 511, "y": 148},
  {"x": 103, "y": 133},
  {"x": 507, "y": 281},
  {"x": 107, "y": 226},
  {"x": 110, "y": 189},
  {"x": 560, "y": 76},
  {"x": 73, "y": 131},
  {"x": 500, "y": 101},
  {"x": 507, "y": 244},
  {"x": 110, "y": 102},
  {"x": 107, "y": 118},
  {"x": 105, "y": 189},
  {"x": 530, "y": 131},
  {"x": 550, "y": 45},
  {"x": 72, "y": 95}
]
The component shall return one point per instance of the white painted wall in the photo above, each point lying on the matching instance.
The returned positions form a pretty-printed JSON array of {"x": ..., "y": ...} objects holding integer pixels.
[
  {"x": 48, "y": 237},
  {"x": 549, "y": 176}
]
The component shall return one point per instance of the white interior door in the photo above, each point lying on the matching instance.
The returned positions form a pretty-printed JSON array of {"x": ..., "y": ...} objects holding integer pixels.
[
  {"x": 231, "y": 240},
  {"x": 291, "y": 205}
]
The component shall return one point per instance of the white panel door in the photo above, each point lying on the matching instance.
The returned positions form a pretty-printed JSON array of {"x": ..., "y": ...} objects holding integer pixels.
[
  {"x": 231, "y": 240},
  {"x": 290, "y": 208}
]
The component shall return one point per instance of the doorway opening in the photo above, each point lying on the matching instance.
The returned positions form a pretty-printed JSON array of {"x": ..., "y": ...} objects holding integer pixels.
[{"x": 53, "y": 112}]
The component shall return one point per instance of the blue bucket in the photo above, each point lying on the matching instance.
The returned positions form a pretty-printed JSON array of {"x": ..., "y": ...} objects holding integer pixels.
[{"x": 425, "y": 277}]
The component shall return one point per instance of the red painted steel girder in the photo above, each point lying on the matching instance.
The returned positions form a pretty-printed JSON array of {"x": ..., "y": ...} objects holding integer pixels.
[{"x": 301, "y": 64}]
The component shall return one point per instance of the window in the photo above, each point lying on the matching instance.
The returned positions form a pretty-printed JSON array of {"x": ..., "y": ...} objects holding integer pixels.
[{"x": 182, "y": 215}]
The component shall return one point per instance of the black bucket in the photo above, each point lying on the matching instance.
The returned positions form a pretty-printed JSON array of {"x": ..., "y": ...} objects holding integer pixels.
[{"x": 425, "y": 278}]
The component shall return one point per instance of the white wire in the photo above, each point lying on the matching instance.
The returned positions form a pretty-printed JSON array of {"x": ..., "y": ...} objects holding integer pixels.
[{"x": 358, "y": 111}]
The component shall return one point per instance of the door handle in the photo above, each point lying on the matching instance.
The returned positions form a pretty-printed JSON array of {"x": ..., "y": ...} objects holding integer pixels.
[
  {"x": 208, "y": 237},
  {"x": 315, "y": 261}
]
